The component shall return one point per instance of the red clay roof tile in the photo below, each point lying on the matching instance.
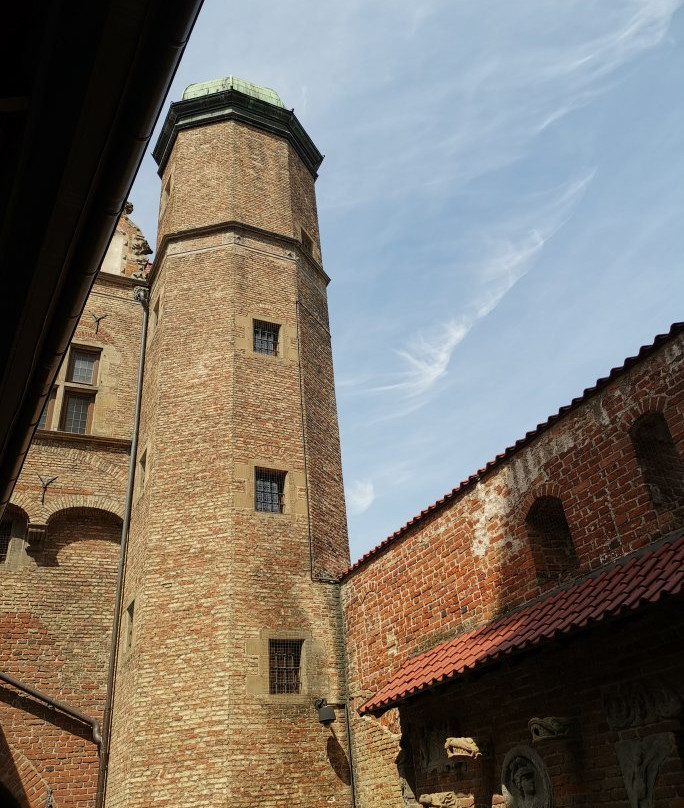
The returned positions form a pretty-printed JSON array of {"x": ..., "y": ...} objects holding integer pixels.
[{"x": 651, "y": 572}]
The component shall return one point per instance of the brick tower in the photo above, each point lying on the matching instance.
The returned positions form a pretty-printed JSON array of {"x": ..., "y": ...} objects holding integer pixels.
[{"x": 230, "y": 626}]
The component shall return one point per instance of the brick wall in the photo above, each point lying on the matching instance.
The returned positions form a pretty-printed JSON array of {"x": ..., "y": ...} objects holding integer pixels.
[
  {"x": 57, "y": 593},
  {"x": 470, "y": 559},
  {"x": 576, "y": 679},
  {"x": 55, "y": 622}
]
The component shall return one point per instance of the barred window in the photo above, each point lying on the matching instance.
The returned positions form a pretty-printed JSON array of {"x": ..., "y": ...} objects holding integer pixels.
[
  {"x": 76, "y": 416},
  {"x": 284, "y": 666},
  {"x": 266, "y": 337},
  {"x": 269, "y": 489},
  {"x": 5, "y": 536}
]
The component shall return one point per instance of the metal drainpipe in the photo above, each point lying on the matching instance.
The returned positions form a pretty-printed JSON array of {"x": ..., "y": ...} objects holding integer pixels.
[
  {"x": 321, "y": 579},
  {"x": 140, "y": 294},
  {"x": 56, "y": 705}
]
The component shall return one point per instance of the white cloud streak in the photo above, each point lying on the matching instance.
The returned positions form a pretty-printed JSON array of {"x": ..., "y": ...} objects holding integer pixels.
[
  {"x": 360, "y": 496},
  {"x": 428, "y": 353}
]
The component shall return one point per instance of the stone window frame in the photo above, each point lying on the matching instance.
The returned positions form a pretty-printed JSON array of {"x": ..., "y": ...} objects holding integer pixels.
[
  {"x": 142, "y": 465},
  {"x": 48, "y": 411},
  {"x": 129, "y": 627},
  {"x": 56, "y": 405},
  {"x": 156, "y": 310},
  {"x": 311, "y": 684},
  {"x": 294, "y": 492},
  {"x": 287, "y": 336}
]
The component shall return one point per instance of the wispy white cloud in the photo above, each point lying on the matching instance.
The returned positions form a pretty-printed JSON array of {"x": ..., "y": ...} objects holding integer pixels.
[
  {"x": 360, "y": 496},
  {"x": 427, "y": 354}
]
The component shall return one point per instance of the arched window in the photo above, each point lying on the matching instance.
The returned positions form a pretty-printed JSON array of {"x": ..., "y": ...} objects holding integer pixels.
[
  {"x": 550, "y": 540},
  {"x": 659, "y": 460}
]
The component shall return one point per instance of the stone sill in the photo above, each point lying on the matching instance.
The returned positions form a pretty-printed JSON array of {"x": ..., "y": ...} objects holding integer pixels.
[{"x": 94, "y": 441}]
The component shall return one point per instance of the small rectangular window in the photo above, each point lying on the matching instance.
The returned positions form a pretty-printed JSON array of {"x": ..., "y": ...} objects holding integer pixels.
[
  {"x": 284, "y": 666},
  {"x": 5, "y": 536},
  {"x": 266, "y": 337},
  {"x": 307, "y": 243},
  {"x": 142, "y": 470},
  {"x": 82, "y": 366},
  {"x": 130, "y": 615},
  {"x": 77, "y": 413},
  {"x": 269, "y": 490}
]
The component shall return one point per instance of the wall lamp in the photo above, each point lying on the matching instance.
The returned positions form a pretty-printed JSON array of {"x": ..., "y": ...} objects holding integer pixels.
[{"x": 326, "y": 712}]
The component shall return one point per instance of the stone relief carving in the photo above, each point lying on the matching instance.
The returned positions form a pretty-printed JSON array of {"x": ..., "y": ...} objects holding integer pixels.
[
  {"x": 639, "y": 703},
  {"x": 463, "y": 747},
  {"x": 429, "y": 753},
  {"x": 441, "y": 799},
  {"x": 550, "y": 727},
  {"x": 640, "y": 761},
  {"x": 525, "y": 780}
]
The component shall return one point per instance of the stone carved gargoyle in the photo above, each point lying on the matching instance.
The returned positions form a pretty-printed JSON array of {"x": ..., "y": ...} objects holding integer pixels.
[
  {"x": 550, "y": 727},
  {"x": 442, "y": 799},
  {"x": 463, "y": 747}
]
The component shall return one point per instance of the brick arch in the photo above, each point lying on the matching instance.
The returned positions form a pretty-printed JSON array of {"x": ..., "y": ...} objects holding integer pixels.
[
  {"x": 535, "y": 493},
  {"x": 645, "y": 406},
  {"x": 97, "y": 503},
  {"x": 33, "y": 510},
  {"x": 23, "y": 780}
]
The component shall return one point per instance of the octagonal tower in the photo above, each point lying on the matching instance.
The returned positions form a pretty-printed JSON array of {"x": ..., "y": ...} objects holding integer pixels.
[{"x": 230, "y": 626}]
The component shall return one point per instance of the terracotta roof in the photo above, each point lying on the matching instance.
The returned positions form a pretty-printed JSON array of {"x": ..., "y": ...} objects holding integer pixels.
[
  {"x": 629, "y": 583},
  {"x": 644, "y": 351}
]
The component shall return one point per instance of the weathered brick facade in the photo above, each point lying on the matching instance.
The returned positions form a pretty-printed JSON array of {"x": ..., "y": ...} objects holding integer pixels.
[
  {"x": 58, "y": 568},
  {"x": 471, "y": 558},
  {"x": 211, "y": 578}
]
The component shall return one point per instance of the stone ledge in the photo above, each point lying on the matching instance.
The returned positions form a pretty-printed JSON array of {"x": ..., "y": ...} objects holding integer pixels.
[{"x": 96, "y": 441}]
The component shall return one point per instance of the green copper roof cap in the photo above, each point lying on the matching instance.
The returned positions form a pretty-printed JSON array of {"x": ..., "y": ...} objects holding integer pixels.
[
  {"x": 233, "y": 83},
  {"x": 234, "y": 99}
]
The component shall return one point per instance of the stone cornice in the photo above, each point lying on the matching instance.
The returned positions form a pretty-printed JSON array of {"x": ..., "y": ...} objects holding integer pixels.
[
  {"x": 108, "y": 279},
  {"x": 292, "y": 243},
  {"x": 232, "y": 105},
  {"x": 42, "y": 436}
]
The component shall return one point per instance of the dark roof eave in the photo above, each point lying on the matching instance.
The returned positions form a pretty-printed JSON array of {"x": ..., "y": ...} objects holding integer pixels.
[{"x": 232, "y": 105}]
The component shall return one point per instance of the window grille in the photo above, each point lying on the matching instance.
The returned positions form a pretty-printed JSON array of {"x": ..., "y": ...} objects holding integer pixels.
[
  {"x": 5, "y": 536},
  {"x": 82, "y": 367},
  {"x": 284, "y": 666},
  {"x": 266, "y": 337},
  {"x": 269, "y": 489},
  {"x": 76, "y": 412}
]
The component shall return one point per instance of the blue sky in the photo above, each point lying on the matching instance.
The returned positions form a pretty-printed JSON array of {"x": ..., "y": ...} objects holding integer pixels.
[{"x": 501, "y": 209}]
